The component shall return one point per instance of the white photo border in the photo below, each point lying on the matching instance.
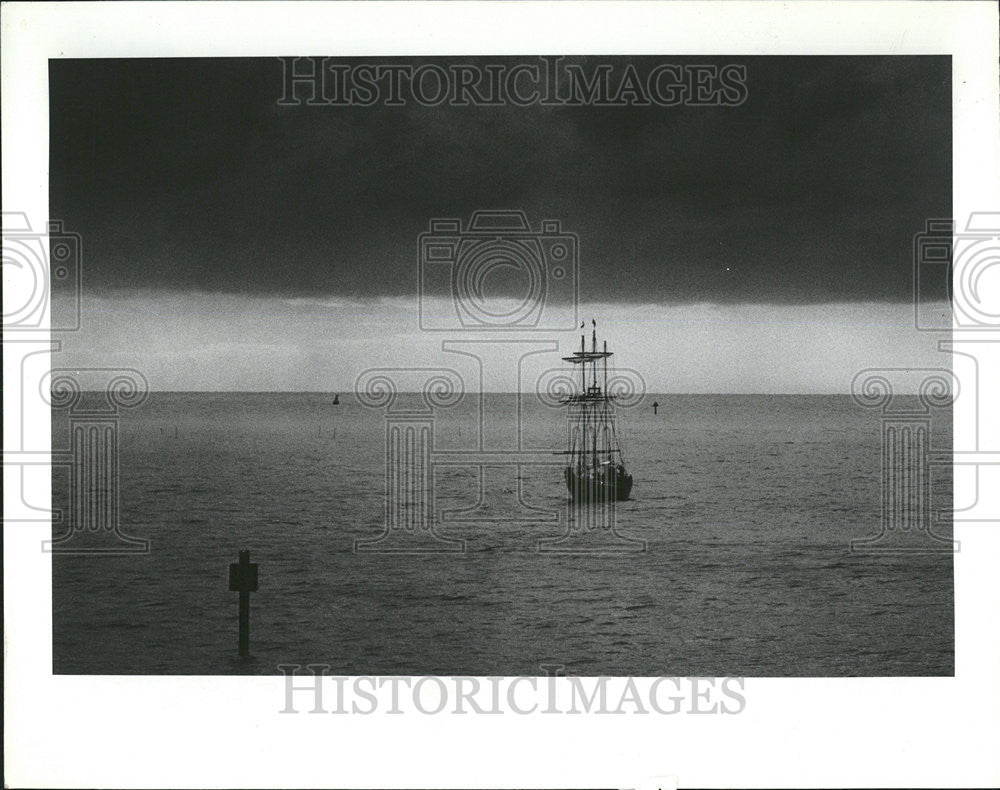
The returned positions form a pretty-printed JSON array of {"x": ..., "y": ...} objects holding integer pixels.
[{"x": 86, "y": 731}]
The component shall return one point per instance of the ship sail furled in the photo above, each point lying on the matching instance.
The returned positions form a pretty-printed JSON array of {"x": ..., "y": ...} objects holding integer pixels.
[{"x": 596, "y": 468}]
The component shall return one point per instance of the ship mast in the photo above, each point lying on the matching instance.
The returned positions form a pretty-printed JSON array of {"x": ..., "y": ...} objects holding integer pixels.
[
  {"x": 592, "y": 403},
  {"x": 596, "y": 422},
  {"x": 596, "y": 467},
  {"x": 605, "y": 367},
  {"x": 593, "y": 349},
  {"x": 606, "y": 436}
]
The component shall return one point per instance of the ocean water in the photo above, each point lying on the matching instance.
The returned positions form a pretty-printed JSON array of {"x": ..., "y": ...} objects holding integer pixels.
[{"x": 731, "y": 558}]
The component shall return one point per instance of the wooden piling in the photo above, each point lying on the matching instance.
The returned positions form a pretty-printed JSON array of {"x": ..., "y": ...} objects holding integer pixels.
[{"x": 243, "y": 579}]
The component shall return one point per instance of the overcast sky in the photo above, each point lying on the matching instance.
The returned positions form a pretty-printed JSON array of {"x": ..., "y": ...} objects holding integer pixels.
[{"x": 192, "y": 187}]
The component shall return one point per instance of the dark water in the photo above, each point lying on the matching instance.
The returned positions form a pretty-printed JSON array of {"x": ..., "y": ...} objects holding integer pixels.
[{"x": 746, "y": 504}]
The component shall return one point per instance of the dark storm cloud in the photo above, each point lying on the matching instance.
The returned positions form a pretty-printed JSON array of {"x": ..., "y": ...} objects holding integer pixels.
[{"x": 187, "y": 174}]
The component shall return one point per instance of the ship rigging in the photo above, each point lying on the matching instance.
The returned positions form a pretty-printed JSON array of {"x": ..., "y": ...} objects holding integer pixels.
[{"x": 596, "y": 466}]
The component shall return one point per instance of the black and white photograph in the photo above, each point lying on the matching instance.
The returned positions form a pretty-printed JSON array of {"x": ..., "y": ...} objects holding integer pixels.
[
  {"x": 483, "y": 387},
  {"x": 497, "y": 388}
]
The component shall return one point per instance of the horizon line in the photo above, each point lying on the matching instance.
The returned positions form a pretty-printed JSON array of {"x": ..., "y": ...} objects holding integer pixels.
[{"x": 348, "y": 392}]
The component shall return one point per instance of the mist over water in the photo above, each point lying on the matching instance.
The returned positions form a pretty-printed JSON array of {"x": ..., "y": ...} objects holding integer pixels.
[{"x": 747, "y": 506}]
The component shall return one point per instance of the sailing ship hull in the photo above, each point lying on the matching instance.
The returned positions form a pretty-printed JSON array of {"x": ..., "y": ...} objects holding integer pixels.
[
  {"x": 596, "y": 472},
  {"x": 587, "y": 487}
]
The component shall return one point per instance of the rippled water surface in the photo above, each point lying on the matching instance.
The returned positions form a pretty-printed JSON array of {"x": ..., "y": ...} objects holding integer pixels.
[{"x": 746, "y": 506}]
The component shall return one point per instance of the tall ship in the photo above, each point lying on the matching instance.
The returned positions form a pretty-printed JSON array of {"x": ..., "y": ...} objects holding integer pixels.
[{"x": 596, "y": 466}]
